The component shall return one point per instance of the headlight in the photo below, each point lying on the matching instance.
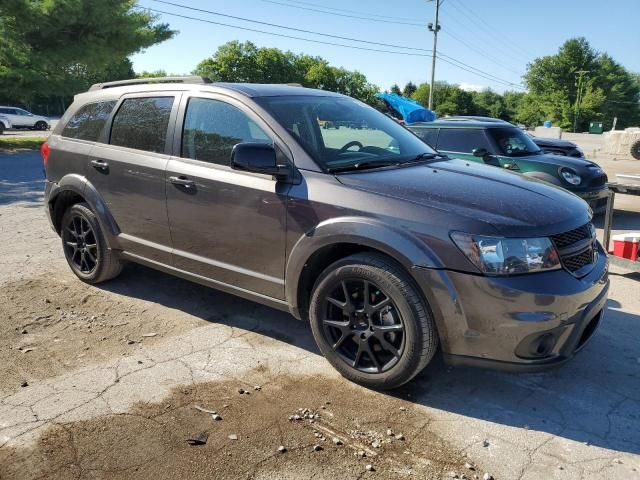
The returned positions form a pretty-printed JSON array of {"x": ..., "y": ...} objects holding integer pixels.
[
  {"x": 580, "y": 151},
  {"x": 570, "y": 176},
  {"x": 508, "y": 256}
]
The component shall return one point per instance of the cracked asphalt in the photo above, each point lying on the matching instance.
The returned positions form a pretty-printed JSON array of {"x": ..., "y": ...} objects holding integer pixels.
[{"x": 113, "y": 374}]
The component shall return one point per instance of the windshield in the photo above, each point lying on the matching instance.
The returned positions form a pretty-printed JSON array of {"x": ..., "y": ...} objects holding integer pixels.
[
  {"x": 340, "y": 132},
  {"x": 513, "y": 142}
]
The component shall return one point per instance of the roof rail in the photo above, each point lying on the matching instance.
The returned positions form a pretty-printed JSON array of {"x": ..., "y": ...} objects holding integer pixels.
[{"x": 141, "y": 81}]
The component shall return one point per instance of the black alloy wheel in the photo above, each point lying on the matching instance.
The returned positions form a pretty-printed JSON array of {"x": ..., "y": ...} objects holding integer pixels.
[
  {"x": 363, "y": 325},
  {"x": 85, "y": 247},
  {"x": 80, "y": 244},
  {"x": 371, "y": 322}
]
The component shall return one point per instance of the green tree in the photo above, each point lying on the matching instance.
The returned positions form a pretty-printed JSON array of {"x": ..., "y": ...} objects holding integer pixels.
[
  {"x": 488, "y": 103},
  {"x": 395, "y": 89},
  {"x": 608, "y": 89},
  {"x": 245, "y": 62},
  {"x": 512, "y": 101},
  {"x": 55, "y": 47},
  {"x": 409, "y": 89},
  {"x": 448, "y": 99}
]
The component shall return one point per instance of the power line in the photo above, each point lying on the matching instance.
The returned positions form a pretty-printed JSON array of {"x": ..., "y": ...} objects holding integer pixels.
[
  {"x": 385, "y": 17},
  {"x": 491, "y": 29},
  {"x": 351, "y": 39},
  {"x": 480, "y": 52},
  {"x": 462, "y": 65},
  {"x": 501, "y": 41},
  {"x": 282, "y": 34},
  {"x": 370, "y": 19}
]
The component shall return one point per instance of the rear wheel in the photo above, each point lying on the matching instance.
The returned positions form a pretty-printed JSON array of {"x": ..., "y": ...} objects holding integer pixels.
[
  {"x": 85, "y": 248},
  {"x": 635, "y": 149},
  {"x": 370, "y": 322}
]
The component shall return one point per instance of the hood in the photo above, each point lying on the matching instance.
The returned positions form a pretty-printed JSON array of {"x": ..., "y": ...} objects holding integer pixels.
[
  {"x": 512, "y": 204},
  {"x": 553, "y": 142},
  {"x": 578, "y": 164}
]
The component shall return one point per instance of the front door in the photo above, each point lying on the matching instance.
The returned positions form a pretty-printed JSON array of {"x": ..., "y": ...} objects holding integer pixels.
[
  {"x": 226, "y": 225},
  {"x": 129, "y": 171}
]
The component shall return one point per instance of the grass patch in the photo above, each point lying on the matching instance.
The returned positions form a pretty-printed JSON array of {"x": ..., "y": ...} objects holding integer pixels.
[{"x": 21, "y": 143}]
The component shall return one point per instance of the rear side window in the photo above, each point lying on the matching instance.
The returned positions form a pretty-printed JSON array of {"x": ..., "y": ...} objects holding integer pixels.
[
  {"x": 141, "y": 123},
  {"x": 463, "y": 140},
  {"x": 428, "y": 135},
  {"x": 88, "y": 122},
  {"x": 212, "y": 128}
]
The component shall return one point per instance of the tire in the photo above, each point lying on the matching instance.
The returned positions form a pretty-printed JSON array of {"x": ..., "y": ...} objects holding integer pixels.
[
  {"x": 85, "y": 247},
  {"x": 1, "y": 128},
  {"x": 401, "y": 336},
  {"x": 635, "y": 150},
  {"x": 41, "y": 125}
]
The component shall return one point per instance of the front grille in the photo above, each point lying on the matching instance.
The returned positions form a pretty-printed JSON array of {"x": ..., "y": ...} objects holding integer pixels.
[
  {"x": 566, "y": 239},
  {"x": 576, "y": 247},
  {"x": 598, "y": 181},
  {"x": 574, "y": 263}
]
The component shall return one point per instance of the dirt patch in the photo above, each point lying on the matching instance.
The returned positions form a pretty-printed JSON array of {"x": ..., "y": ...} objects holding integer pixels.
[
  {"x": 55, "y": 323},
  {"x": 352, "y": 426}
]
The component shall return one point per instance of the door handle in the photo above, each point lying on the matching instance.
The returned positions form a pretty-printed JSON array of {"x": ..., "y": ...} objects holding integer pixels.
[
  {"x": 99, "y": 164},
  {"x": 182, "y": 181}
]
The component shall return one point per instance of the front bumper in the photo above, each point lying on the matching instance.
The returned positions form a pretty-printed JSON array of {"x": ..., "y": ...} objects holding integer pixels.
[{"x": 520, "y": 323}]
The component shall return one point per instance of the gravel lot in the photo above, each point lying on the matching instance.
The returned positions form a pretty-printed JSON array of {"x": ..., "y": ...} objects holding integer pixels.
[{"x": 102, "y": 382}]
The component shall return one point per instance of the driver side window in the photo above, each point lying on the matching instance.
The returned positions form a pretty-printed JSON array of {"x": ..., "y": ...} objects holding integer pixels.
[{"x": 212, "y": 128}]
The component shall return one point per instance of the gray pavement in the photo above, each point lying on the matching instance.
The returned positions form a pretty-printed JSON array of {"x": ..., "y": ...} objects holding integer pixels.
[{"x": 580, "y": 421}]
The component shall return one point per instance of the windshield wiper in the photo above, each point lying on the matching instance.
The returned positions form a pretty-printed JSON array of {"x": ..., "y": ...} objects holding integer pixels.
[
  {"x": 426, "y": 156},
  {"x": 364, "y": 165}
]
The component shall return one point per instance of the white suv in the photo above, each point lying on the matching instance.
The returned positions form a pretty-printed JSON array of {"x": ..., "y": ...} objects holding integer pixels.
[{"x": 20, "y": 118}]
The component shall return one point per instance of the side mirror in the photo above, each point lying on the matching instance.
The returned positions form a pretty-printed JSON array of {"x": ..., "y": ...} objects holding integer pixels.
[
  {"x": 257, "y": 158},
  {"x": 480, "y": 152}
]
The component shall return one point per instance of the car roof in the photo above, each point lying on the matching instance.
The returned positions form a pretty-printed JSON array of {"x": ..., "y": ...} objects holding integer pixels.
[
  {"x": 465, "y": 122},
  {"x": 252, "y": 90}
]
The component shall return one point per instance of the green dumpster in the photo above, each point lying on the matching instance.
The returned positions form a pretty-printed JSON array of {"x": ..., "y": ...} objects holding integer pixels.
[{"x": 595, "y": 127}]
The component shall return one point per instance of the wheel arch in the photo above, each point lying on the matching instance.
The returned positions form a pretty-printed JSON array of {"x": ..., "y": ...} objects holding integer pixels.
[
  {"x": 340, "y": 238},
  {"x": 72, "y": 189}
]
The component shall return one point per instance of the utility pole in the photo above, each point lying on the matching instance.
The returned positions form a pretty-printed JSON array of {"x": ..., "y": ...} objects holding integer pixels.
[
  {"x": 435, "y": 28},
  {"x": 579, "y": 83}
]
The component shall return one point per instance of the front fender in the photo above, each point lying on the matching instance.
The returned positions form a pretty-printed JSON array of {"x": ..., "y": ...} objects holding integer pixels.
[
  {"x": 79, "y": 185},
  {"x": 399, "y": 244}
]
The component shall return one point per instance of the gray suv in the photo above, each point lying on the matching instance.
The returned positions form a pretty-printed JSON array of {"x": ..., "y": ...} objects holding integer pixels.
[{"x": 390, "y": 250}]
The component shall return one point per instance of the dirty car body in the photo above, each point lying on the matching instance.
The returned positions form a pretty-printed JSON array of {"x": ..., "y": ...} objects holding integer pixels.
[{"x": 244, "y": 191}]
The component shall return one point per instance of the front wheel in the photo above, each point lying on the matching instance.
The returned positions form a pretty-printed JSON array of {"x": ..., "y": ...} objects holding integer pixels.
[
  {"x": 41, "y": 125},
  {"x": 85, "y": 248},
  {"x": 370, "y": 322}
]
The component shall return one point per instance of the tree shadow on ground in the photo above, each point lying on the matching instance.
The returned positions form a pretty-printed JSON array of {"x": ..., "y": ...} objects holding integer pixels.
[{"x": 21, "y": 178}]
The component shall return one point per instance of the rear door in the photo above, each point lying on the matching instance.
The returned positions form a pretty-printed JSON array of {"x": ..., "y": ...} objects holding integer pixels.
[
  {"x": 226, "y": 225},
  {"x": 461, "y": 142},
  {"x": 129, "y": 170}
]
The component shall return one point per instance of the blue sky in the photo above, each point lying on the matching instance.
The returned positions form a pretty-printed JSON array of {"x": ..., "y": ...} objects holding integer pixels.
[{"x": 498, "y": 37}]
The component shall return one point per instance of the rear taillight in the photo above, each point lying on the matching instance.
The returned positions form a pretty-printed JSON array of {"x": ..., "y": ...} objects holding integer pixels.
[{"x": 44, "y": 150}]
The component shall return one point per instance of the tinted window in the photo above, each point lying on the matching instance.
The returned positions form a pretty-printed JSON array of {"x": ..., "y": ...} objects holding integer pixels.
[
  {"x": 89, "y": 121},
  {"x": 212, "y": 128},
  {"x": 6, "y": 111},
  {"x": 340, "y": 132},
  {"x": 429, "y": 135},
  {"x": 463, "y": 140},
  {"x": 513, "y": 142},
  {"x": 141, "y": 123}
]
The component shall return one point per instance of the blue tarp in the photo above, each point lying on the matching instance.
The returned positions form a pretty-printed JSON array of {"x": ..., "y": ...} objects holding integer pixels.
[{"x": 410, "y": 110}]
